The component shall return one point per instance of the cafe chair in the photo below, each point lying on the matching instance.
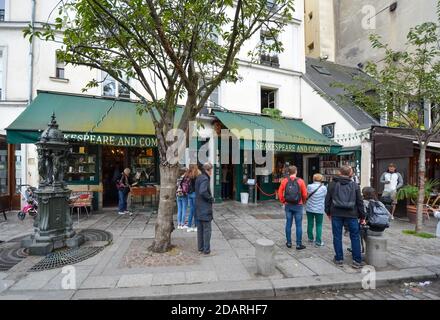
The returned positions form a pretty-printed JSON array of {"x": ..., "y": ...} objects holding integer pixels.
[{"x": 81, "y": 200}]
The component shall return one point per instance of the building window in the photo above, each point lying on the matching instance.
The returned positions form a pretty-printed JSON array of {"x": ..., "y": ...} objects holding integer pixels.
[
  {"x": 112, "y": 88},
  {"x": 271, "y": 5},
  {"x": 213, "y": 100},
  {"x": 267, "y": 41},
  {"x": 1, "y": 76},
  {"x": 2, "y": 10},
  {"x": 59, "y": 70},
  {"x": 268, "y": 98}
]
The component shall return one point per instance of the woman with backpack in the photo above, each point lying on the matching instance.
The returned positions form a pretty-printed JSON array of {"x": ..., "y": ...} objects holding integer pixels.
[
  {"x": 377, "y": 216},
  {"x": 315, "y": 209},
  {"x": 182, "y": 189},
  {"x": 193, "y": 173}
]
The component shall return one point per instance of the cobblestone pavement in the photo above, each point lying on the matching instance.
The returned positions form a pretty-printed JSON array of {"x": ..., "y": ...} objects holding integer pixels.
[
  {"x": 125, "y": 268},
  {"x": 401, "y": 291}
]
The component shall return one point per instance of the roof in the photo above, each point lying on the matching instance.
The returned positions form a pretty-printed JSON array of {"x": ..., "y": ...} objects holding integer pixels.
[
  {"x": 322, "y": 74},
  {"x": 291, "y": 132}
]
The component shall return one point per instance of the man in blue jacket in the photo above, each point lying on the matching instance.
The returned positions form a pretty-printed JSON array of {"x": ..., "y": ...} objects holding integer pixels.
[{"x": 204, "y": 216}]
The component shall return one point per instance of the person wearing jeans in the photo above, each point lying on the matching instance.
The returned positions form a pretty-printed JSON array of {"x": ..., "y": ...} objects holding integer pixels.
[
  {"x": 344, "y": 205},
  {"x": 293, "y": 210},
  {"x": 353, "y": 228},
  {"x": 193, "y": 173},
  {"x": 182, "y": 205}
]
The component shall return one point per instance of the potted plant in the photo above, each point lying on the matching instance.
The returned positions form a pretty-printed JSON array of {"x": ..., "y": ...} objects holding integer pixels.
[{"x": 411, "y": 193}]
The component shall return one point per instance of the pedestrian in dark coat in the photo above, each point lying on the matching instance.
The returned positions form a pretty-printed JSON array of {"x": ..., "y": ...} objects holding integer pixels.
[{"x": 204, "y": 214}]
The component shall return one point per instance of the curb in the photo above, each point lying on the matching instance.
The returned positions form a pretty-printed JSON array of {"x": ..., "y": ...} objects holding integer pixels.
[
  {"x": 232, "y": 290},
  {"x": 257, "y": 289}
]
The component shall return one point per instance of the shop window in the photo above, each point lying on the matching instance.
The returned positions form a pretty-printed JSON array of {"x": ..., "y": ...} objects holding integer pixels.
[
  {"x": 18, "y": 159},
  {"x": 268, "y": 98},
  {"x": 266, "y": 57},
  {"x": 2, "y": 94},
  {"x": 4, "y": 183},
  {"x": 143, "y": 165},
  {"x": 112, "y": 88},
  {"x": 82, "y": 166},
  {"x": 2, "y": 10}
]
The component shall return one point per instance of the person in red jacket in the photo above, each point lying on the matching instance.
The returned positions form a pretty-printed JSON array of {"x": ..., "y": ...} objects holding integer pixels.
[{"x": 293, "y": 195}]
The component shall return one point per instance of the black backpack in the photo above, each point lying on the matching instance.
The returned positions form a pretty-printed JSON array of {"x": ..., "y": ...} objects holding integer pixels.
[
  {"x": 344, "y": 195},
  {"x": 378, "y": 215},
  {"x": 292, "y": 193}
]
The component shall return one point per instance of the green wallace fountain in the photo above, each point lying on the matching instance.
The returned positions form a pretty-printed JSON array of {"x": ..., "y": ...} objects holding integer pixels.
[{"x": 53, "y": 225}]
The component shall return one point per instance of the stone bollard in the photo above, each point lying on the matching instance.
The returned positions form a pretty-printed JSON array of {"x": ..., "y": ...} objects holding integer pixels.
[
  {"x": 265, "y": 256},
  {"x": 437, "y": 215},
  {"x": 376, "y": 249}
]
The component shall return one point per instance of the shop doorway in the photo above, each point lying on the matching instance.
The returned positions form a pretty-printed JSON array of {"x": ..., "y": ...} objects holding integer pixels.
[
  {"x": 114, "y": 160},
  {"x": 312, "y": 168}
]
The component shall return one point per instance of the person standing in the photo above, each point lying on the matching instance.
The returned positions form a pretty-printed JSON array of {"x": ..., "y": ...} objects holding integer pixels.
[
  {"x": 293, "y": 194},
  {"x": 344, "y": 205},
  {"x": 204, "y": 212},
  {"x": 392, "y": 181},
  {"x": 193, "y": 173},
  {"x": 123, "y": 186},
  {"x": 315, "y": 208},
  {"x": 182, "y": 198}
]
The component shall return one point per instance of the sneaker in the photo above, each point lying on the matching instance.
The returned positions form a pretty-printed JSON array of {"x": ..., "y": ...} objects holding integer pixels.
[
  {"x": 130, "y": 213},
  {"x": 288, "y": 245},
  {"x": 179, "y": 227},
  {"x": 311, "y": 240},
  {"x": 319, "y": 244},
  {"x": 194, "y": 229},
  {"x": 357, "y": 265},
  {"x": 189, "y": 230},
  {"x": 392, "y": 217},
  {"x": 301, "y": 247},
  {"x": 349, "y": 250},
  {"x": 339, "y": 263},
  {"x": 121, "y": 213},
  {"x": 185, "y": 227}
]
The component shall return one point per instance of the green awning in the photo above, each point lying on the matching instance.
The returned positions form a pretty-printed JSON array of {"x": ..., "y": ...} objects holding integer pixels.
[
  {"x": 290, "y": 135},
  {"x": 114, "y": 122}
]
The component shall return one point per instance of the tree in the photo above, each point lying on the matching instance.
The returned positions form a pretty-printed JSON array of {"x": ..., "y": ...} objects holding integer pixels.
[
  {"x": 405, "y": 88},
  {"x": 171, "y": 49}
]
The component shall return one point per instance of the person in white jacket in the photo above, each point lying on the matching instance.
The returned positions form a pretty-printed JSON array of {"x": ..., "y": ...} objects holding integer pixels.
[{"x": 392, "y": 181}]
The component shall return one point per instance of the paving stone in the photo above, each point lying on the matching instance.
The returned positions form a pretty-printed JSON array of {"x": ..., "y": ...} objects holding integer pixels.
[
  {"x": 160, "y": 279},
  {"x": 432, "y": 296},
  {"x": 200, "y": 276},
  {"x": 320, "y": 266},
  {"x": 99, "y": 282},
  {"x": 135, "y": 280},
  {"x": 81, "y": 273},
  {"x": 293, "y": 268},
  {"x": 35, "y": 280}
]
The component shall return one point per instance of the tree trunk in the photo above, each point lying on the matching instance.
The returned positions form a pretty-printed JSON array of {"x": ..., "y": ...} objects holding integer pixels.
[
  {"x": 167, "y": 205},
  {"x": 421, "y": 177}
]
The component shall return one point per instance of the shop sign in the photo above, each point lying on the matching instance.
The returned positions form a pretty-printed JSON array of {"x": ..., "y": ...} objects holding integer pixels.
[
  {"x": 113, "y": 140},
  {"x": 290, "y": 147}
]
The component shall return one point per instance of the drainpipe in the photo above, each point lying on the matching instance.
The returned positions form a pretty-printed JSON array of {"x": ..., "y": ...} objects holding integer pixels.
[
  {"x": 25, "y": 175},
  {"x": 31, "y": 53}
]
